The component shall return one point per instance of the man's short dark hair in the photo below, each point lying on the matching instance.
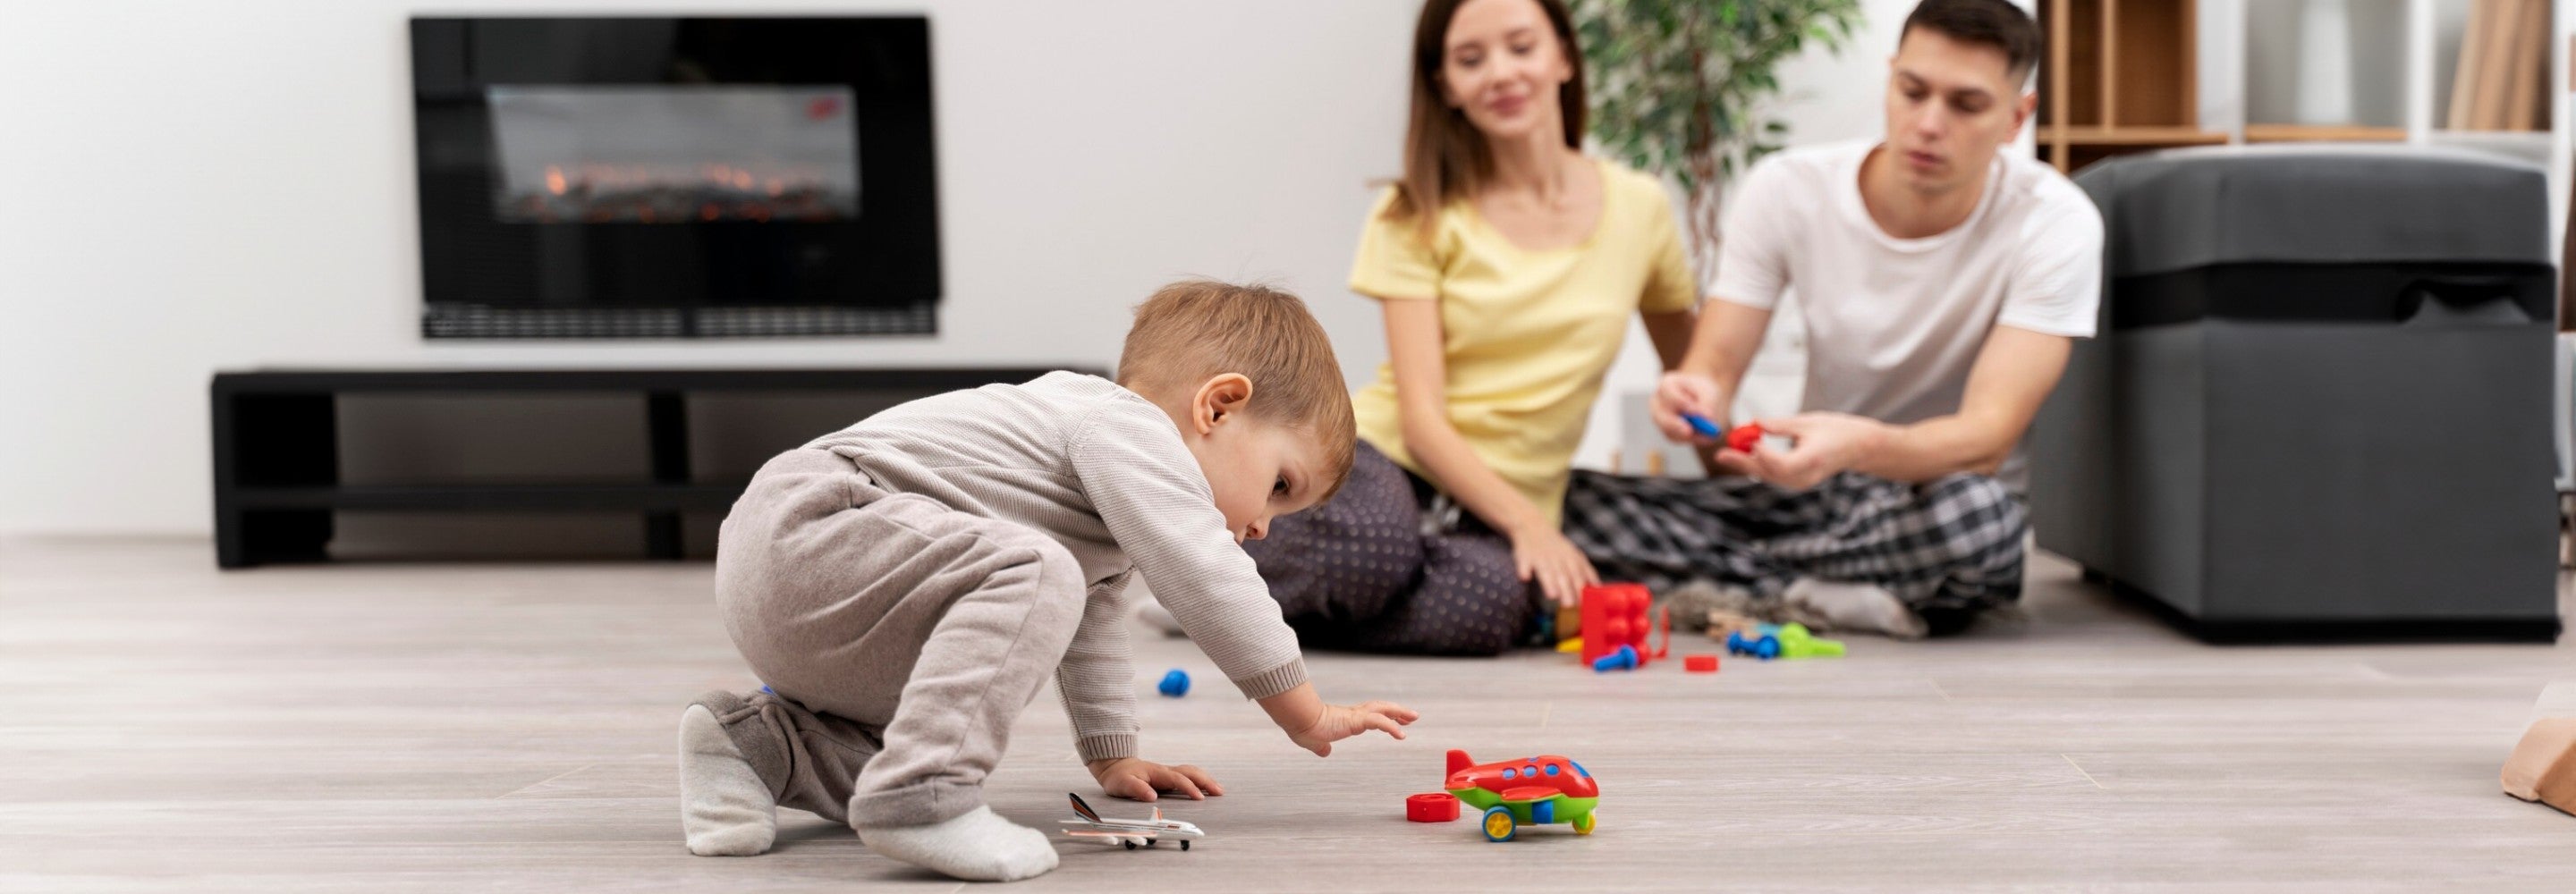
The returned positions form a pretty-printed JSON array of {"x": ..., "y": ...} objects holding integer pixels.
[{"x": 1994, "y": 23}]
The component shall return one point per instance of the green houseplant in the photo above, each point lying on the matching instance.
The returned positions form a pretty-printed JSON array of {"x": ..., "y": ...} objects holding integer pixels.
[{"x": 1678, "y": 86}]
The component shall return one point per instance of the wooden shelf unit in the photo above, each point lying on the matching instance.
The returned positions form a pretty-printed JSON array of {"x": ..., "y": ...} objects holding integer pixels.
[
  {"x": 2308, "y": 133},
  {"x": 2119, "y": 76}
]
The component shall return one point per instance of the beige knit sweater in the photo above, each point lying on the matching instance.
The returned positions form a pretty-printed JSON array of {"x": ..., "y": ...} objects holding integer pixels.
[{"x": 1103, "y": 471}]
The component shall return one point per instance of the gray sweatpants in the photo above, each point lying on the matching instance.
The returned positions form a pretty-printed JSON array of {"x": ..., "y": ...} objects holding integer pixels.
[{"x": 901, "y": 639}]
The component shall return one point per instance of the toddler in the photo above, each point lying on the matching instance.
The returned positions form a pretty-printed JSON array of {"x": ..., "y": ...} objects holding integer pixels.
[{"x": 905, "y": 586}]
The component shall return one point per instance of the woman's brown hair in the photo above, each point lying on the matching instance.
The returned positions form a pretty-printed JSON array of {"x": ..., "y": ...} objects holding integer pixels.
[{"x": 1444, "y": 155}]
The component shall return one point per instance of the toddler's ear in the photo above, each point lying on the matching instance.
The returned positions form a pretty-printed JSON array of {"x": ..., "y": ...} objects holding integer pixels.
[{"x": 1222, "y": 395}]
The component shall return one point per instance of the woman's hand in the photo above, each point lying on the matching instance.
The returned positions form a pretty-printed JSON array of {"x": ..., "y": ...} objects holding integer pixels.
[{"x": 1543, "y": 554}]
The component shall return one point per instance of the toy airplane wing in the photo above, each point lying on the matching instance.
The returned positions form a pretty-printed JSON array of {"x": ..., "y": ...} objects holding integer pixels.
[{"x": 1530, "y": 793}]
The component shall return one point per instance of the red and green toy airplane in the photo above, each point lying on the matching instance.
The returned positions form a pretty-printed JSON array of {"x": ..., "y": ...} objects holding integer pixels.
[{"x": 1541, "y": 790}]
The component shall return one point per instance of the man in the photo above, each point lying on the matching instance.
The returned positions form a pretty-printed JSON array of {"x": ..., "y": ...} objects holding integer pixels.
[{"x": 1942, "y": 281}]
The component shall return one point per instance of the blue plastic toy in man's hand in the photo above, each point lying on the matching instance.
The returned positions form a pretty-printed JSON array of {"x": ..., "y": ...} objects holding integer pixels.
[{"x": 1706, "y": 429}]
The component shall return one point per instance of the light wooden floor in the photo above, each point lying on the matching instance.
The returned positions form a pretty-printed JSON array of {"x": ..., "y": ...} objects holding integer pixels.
[{"x": 396, "y": 728}]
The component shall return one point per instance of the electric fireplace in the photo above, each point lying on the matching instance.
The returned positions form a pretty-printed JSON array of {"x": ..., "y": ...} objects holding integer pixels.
[{"x": 675, "y": 177}]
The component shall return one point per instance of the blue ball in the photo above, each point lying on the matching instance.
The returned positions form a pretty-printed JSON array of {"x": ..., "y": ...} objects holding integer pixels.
[{"x": 1176, "y": 683}]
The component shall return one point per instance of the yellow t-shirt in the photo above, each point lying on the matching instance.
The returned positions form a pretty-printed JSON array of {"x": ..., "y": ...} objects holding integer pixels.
[{"x": 1527, "y": 335}]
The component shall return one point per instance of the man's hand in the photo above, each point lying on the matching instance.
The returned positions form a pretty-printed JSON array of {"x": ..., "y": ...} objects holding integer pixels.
[
  {"x": 1339, "y": 722},
  {"x": 1686, "y": 392},
  {"x": 1825, "y": 443},
  {"x": 1140, "y": 780}
]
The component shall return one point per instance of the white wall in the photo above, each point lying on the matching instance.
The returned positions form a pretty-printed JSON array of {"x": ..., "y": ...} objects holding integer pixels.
[
  {"x": 195, "y": 187},
  {"x": 230, "y": 185}
]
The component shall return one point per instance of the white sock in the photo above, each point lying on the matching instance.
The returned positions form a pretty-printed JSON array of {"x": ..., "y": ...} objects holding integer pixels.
[
  {"x": 725, "y": 809},
  {"x": 1866, "y": 608},
  {"x": 979, "y": 846}
]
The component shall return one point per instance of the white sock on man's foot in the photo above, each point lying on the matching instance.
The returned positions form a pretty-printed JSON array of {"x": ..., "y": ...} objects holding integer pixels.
[
  {"x": 725, "y": 809},
  {"x": 979, "y": 846},
  {"x": 1848, "y": 606}
]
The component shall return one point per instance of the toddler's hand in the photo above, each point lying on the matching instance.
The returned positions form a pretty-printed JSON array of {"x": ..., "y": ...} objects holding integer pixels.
[
  {"x": 1340, "y": 722},
  {"x": 1139, "y": 779}
]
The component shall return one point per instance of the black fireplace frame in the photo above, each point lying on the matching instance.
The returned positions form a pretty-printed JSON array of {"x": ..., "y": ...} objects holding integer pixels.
[{"x": 876, "y": 274}]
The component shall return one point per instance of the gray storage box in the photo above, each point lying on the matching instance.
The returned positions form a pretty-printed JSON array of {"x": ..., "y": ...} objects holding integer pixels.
[{"x": 2320, "y": 395}]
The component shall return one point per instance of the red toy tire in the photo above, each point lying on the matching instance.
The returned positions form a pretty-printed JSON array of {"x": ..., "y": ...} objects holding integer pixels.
[{"x": 1431, "y": 807}]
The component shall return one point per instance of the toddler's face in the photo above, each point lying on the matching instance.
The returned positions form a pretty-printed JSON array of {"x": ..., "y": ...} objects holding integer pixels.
[{"x": 1259, "y": 471}]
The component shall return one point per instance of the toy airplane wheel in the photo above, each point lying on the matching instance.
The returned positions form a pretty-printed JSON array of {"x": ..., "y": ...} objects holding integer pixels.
[
  {"x": 1498, "y": 824},
  {"x": 1130, "y": 845},
  {"x": 1185, "y": 844},
  {"x": 1583, "y": 824},
  {"x": 1149, "y": 842}
]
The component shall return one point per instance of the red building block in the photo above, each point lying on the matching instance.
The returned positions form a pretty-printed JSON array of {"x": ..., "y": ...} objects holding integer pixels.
[
  {"x": 1700, "y": 664},
  {"x": 1615, "y": 615},
  {"x": 1743, "y": 437}
]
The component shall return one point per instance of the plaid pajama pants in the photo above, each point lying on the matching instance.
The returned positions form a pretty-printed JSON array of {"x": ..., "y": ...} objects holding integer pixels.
[{"x": 1948, "y": 546}]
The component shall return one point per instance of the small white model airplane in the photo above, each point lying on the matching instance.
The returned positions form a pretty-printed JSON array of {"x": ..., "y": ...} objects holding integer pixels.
[{"x": 1133, "y": 833}]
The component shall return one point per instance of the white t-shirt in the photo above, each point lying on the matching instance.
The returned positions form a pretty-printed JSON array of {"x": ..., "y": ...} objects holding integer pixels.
[{"x": 1893, "y": 325}]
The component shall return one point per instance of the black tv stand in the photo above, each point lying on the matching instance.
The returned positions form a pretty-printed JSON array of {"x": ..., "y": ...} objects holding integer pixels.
[{"x": 277, "y": 463}]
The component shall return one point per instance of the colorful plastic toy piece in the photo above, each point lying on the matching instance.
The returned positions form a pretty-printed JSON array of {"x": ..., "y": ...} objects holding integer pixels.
[
  {"x": 1623, "y": 660},
  {"x": 1700, "y": 664},
  {"x": 1431, "y": 807},
  {"x": 1615, "y": 615},
  {"x": 1740, "y": 438},
  {"x": 1176, "y": 683},
  {"x": 1782, "y": 641},
  {"x": 1744, "y": 437},
  {"x": 1765, "y": 646},
  {"x": 1530, "y": 791},
  {"x": 1796, "y": 642}
]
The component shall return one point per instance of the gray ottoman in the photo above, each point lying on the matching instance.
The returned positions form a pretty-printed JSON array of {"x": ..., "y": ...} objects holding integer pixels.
[{"x": 2320, "y": 398}]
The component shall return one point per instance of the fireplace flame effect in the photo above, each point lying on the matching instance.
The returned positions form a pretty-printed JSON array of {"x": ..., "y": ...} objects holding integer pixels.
[{"x": 594, "y": 192}]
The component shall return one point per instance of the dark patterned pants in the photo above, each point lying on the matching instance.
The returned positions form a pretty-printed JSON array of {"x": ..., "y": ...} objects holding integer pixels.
[
  {"x": 1948, "y": 547},
  {"x": 1362, "y": 572}
]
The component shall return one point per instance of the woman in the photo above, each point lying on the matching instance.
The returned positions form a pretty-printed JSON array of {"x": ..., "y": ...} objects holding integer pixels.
[{"x": 1506, "y": 263}]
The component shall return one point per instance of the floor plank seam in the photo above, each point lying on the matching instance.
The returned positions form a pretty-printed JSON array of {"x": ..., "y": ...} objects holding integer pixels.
[
  {"x": 2079, "y": 768},
  {"x": 534, "y": 785}
]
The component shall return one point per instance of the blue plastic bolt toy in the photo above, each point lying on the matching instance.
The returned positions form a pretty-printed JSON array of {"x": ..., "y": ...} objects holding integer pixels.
[
  {"x": 1765, "y": 646},
  {"x": 1176, "y": 683},
  {"x": 1624, "y": 659},
  {"x": 1706, "y": 429}
]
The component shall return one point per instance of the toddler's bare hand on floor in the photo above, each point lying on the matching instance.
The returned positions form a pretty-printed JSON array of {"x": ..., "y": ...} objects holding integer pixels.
[{"x": 1142, "y": 780}]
